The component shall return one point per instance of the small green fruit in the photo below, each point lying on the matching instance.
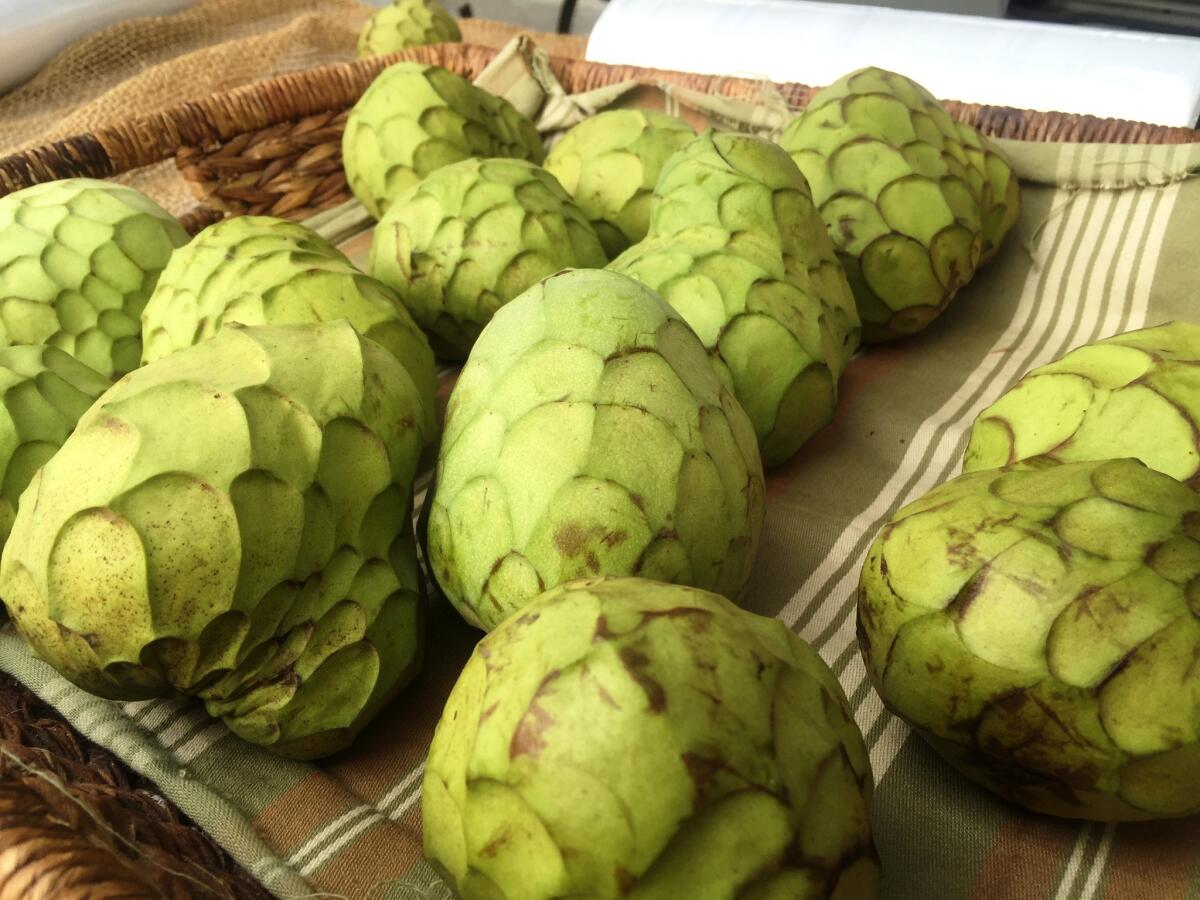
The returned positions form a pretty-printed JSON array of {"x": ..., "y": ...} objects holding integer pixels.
[
  {"x": 78, "y": 260},
  {"x": 738, "y": 249},
  {"x": 588, "y": 434},
  {"x": 256, "y": 270},
  {"x": 1136, "y": 394},
  {"x": 914, "y": 201},
  {"x": 610, "y": 163},
  {"x": 1040, "y": 627},
  {"x": 234, "y": 522},
  {"x": 44, "y": 392},
  {"x": 404, "y": 24},
  {"x": 622, "y": 738},
  {"x": 416, "y": 118},
  {"x": 473, "y": 235}
]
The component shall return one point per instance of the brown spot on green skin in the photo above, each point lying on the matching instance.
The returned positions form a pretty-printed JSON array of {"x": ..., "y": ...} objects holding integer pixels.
[
  {"x": 703, "y": 770},
  {"x": 496, "y": 844},
  {"x": 700, "y": 619},
  {"x": 527, "y": 740},
  {"x": 635, "y": 662},
  {"x": 625, "y": 880},
  {"x": 607, "y": 697}
]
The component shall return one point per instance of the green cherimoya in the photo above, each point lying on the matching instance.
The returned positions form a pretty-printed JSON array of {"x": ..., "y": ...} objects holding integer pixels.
[
  {"x": 737, "y": 248},
  {"x": 78, "y": 260},
  {"x": 1136, "y": 394},
  {"x": 1041, "y": 626},
  {"x": 588, "y": 435},
  {"x": 256, "y": 270},
  {"x": 44, "y": 391},
  {"x": 914, "y": 202},
  {"x": 415, "y": 118},
  {"x": 610, "y": 163},
  {"x": 473, "y": 235},
  {"x": 404, "y": 24},
  {"x": 994, "y": 182},
  {"x": 234, "y": 522},
  {"x": 627, "y": 738}
]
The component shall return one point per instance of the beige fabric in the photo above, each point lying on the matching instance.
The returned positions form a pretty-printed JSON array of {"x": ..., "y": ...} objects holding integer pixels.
[{"x": 147, "y": 64}]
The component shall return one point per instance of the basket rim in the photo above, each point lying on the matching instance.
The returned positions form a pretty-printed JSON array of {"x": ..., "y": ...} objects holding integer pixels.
[{"x": 144, "y": 140}]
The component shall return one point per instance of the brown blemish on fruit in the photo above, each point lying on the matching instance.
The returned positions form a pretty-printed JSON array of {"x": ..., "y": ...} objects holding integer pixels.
[
  {"x": 702, "y": 770},
  {"x": 607, "y": 697},
  {"x": 527, "y": 740},
  {"x": 635, "y": 663}
]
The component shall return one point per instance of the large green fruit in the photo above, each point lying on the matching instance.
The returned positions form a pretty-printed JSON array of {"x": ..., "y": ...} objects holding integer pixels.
[
  {"x": 44, "y": 391},
  {"x": 1136, "y": 394},
  {"x": 589, "y": 435},
  {"x": 1040, "y": 627},
  {"x": 234, "y": 522},
  {"x": 911, "y": 198},
  {"x": 473, "y": 235},
  {"x": 610, "y": 163},
  {"x": 78, "y": 260},
  {"x": 626, "y": 738},
  {"x": 404, "y": 24},
  {"x": 256, "y": 270},
  {"x": 415, "y": 118},
  {"x": 737, "y": 248}
]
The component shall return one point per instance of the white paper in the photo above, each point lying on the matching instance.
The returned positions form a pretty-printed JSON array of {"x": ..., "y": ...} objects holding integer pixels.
[{"x": 1004, "y": 62}]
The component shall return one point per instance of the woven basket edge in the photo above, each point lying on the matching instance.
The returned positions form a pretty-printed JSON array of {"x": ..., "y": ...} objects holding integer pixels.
[{"x": 143, "y": 140}]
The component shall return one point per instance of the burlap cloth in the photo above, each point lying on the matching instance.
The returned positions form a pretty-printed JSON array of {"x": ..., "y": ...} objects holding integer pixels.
[
  {"x": 1106, "y": 243},
  {"x": 151, "y": 63}
]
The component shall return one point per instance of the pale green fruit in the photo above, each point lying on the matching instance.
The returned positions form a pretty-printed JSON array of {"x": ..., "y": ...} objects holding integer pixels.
[
  {"x": 234, "y": 521},
  {"x": 610, "y": 163},
  {"x": 903, "y": 194},
  {"x": 738, "y": 249},
  {"x": 404, "y": 24},
  {"x": 256, "y": 270},
  {"x": 415, "y": 118},
  {"x": 78, "y": 260},
  {"x": 473, "y": 235},
  {"x": 623, "y": 738},
  {"x": 1039, "y": 626},
  {"x": 993, "y": 181},
  {"x": 43, "y": 392},
  {"x": 589, "y": 435},
  {"x": 1136, "y": 394}
]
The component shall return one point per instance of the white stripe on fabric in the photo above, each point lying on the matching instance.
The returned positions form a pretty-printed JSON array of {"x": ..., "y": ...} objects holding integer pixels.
[
  {"x": 342, "y": 840},
  {"x": 1074, "y": 862},
  {"x": 397, "y": 793},
  {"x": 190, "y": 749},
  {"x": 1099, "y": 863},
  {"x": 301, "y": 856}
]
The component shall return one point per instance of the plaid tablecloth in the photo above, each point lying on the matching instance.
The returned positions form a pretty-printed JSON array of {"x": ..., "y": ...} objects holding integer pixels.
[{"x": 1109, "y": 240}]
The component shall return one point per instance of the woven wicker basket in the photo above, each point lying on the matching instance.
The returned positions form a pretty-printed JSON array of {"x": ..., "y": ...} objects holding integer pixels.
[
  {"x": 274, "y": 147},
  {"x": 74, "y": 822}
]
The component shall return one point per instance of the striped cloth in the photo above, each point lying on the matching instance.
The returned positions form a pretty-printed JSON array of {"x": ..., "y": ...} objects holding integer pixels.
[{"x": 1108, "y": 241}]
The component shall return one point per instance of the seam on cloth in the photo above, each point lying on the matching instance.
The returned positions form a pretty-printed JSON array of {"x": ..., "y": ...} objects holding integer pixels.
[
  {"x": 106, "y": 723},
  {"x": 1110, "y": 167}
]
